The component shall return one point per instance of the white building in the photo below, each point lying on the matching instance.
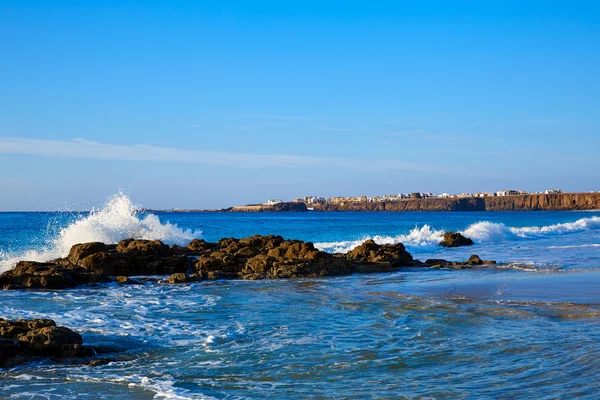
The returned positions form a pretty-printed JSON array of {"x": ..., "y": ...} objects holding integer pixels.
[{"x": 273, "y": 202}]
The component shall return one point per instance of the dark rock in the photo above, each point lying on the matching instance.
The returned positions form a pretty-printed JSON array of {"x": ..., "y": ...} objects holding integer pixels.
[
  {"x": 200, "y": 245},
  {"x": 24, "y": 340},
  {"x": 36, "y": 275},
  {"x": 268, "y": 257},
  {"x": 82, "y": 250},
  {"x": 101, "y": 262},
  {"x": 431, "y": 261},
  {"x": 124, "y": 280},
  {"x": 373, "y": 257},
  {"x": 455, "y": 239},
  {"x": 178, "y": 278},
  {"x": 474, "y": 260}
]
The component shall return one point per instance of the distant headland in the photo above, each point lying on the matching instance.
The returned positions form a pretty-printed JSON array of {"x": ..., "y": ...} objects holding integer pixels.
[{"x": 496, "y": 201}]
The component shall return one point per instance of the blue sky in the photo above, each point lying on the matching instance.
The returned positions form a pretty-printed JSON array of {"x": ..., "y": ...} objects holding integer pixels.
[{"x": 202, "y": 104}]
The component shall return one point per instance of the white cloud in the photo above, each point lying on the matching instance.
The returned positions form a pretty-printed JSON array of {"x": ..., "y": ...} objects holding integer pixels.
[
  {"x": 85, "y": 149},
  {"x": 278, "y": 117}
]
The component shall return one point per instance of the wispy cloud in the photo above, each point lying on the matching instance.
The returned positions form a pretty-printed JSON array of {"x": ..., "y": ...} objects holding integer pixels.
[
  {"x": 278, "y": 117},
  {"x": 85, "y": 149},
  {"x": 334, "y": 129}
]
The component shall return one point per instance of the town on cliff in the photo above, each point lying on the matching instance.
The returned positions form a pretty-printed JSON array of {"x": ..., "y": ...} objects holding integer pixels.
[{"x": 503, "y": 200}]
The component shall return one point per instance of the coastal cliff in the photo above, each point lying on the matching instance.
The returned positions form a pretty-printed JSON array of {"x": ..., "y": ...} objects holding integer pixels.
[
  {"x": 285, "y": 206},
  {"x": 528, "y": 202}
]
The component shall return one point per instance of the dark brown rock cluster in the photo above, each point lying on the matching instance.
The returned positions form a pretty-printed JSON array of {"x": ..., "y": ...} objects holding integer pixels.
[
  {"x": 455, "y": 239},
  {"x": 372, "y": 257},
  {"x": 26, "y": 340},
  {"x": 256, "y": 257},
  {"x": 270, "y": 257},
  {"x": 473, "y": 261}
]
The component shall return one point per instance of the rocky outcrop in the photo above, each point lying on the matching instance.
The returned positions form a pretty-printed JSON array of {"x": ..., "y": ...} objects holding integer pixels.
[
  {"x": 27, "y": 340},
  {"x": 473, "y": 261},
  {"x": 269, "y": 257},
  {"x": 373, "y": 257},
  {"x": 98, "y": 262},
  {"x": 284, "y": 206},
  {"x": 455, "y": 239},
  {"x": 256, "y": 257},
  {"x": 527, "y": 202},
  {"x": 50, "y": 275}
]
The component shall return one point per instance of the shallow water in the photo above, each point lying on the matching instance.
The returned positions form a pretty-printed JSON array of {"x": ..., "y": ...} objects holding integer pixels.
[{"x": 528, "y": 330}]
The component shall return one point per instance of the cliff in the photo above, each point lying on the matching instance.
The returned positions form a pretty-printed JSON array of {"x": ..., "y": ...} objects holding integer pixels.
[
  {"x": 529, "y": 202},
  {"x": 289, "y": 206}
]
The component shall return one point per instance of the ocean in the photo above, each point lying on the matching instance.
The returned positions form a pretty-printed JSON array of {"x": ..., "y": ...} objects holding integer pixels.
[{"x": 529, "y": 328}]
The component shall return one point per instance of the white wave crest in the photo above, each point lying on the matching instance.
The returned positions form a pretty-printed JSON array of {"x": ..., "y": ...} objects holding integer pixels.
[
  {"x": 480, "y": 232},
  {"x": 424, "y": 236},
  {"x": 119, "y": 219},
  {"x": 485, "y": 232}
]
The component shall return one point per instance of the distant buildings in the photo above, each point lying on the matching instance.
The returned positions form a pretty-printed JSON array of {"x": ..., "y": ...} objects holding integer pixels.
[
  {"x": 272, "y": 202},
  {"x": 339, "y": 200}
]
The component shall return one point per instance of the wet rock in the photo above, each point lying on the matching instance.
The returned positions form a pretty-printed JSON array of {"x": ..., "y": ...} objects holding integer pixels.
[
  {"x": 373, "y": 257},
  {"x": 269, "y": 257},
  {"x": 36, "y": 275},
  {"x": 101, "y": 262},
  {"x": 255, "y": 257},
  {"x": 200, "y": 245},
  {"x": 124, "y": 280},
  {"x": 455, "y": 239},
  {"x": 432, "y": 261},
  {"x": 25, "y": 340},
  {"x": 474, "y": 260},
  {"x": 178, "y": 278},
  {"x": 80, "y": 251}
]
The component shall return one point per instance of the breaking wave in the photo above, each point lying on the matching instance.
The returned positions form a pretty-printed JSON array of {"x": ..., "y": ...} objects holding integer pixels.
[
  {"x": 493, "y": 232},
  {"x": 119, "y": 219},
  {"x": 481, "y": 232},
  {"x": 424, "y": 236}
]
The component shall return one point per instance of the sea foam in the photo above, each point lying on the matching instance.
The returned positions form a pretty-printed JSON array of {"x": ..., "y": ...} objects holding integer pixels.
[
  {"x": 119, "y": 219},
  {"x": 481, "y": 232}
]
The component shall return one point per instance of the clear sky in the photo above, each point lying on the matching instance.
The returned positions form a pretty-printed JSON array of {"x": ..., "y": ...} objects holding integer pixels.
[{"x": 202, "y": 104}]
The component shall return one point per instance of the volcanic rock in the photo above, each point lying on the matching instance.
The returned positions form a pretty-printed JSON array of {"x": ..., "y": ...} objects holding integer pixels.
[
  {"x": 35, "y": 275},
  {"x": 178, "y": 278},
  {"x": 373, "y": 257},
  {"x": 270, "y": 257},
  {"x": 25, "y": 340},
  {"x": 455, "y": 239},
  {"x": 474, "y": 260}
]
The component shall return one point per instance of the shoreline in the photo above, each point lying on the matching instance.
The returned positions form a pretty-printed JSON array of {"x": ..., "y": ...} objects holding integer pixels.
[{"x": 584, "y": 201}]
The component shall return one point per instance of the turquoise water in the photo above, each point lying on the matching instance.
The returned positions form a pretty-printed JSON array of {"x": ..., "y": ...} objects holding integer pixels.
[{"x": 527, "y": 330}]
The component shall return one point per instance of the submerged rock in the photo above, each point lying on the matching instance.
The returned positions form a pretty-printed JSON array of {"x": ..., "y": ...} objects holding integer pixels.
[
  {"x": 455, "y": 239},
  {"x": 474, "y": 260},
  {"x": 27, "y": 340}
]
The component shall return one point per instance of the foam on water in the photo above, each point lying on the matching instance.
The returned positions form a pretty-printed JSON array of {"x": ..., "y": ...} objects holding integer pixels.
[
  {"x": 424, "y": 236},
  {"x": 480, "y": 232},
  {"x": 119, "y": 219}
]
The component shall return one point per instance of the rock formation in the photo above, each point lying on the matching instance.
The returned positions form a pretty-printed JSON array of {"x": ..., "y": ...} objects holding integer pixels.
[
  {"x": 474, "y": 260},
  {"x": 526, "y": 202},
  {"x": 372, "y": 257},
  {"x": 455, "y": 239},
  {"x": 26, "y": 340},
  {"x": 256, "y": 257}
]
